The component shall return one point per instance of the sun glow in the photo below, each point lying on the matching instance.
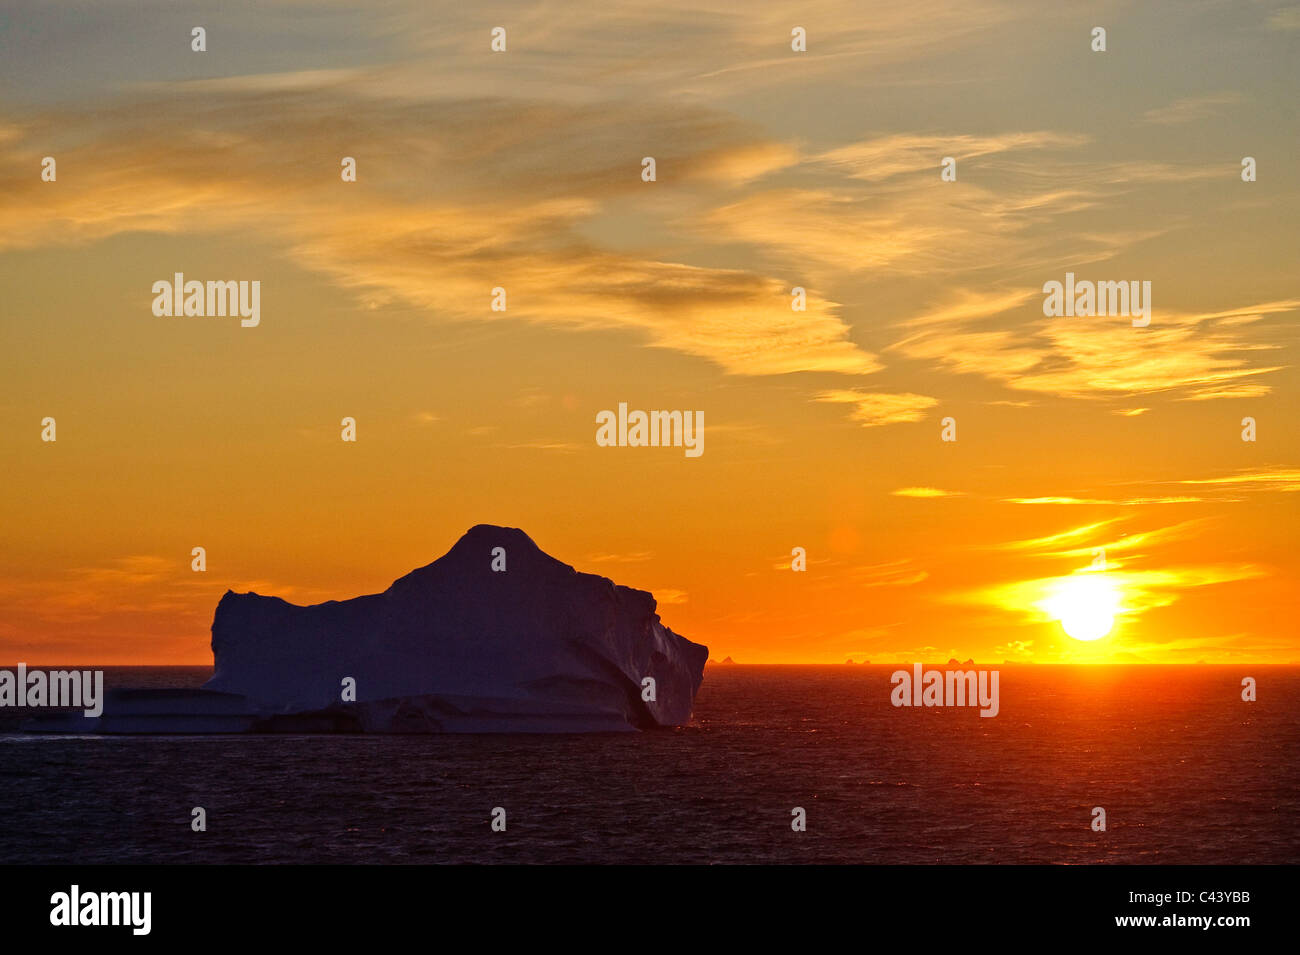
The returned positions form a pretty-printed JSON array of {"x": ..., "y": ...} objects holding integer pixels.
[{"x": 1085, "y": 604}]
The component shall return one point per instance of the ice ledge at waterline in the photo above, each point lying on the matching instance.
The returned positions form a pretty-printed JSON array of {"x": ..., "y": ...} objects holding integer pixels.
[{"x": 457, "y": 646}]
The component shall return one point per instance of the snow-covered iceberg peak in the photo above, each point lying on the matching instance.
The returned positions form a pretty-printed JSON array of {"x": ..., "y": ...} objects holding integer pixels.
[{"x": 495, "y": 635}]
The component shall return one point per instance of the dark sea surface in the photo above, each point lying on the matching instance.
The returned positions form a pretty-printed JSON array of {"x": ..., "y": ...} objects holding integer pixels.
[{"x": 1186, "y": 771}]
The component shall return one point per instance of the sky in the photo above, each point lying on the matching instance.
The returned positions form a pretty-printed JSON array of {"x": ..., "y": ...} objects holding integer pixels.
[{"x": 1098, "y": 471}]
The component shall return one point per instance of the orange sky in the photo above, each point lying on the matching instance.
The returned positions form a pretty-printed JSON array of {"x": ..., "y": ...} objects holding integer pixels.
[{"x": 775, "y": 169}]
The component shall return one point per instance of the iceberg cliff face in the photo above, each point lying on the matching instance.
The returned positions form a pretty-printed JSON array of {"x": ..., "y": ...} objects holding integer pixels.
[{"x": 460, "y": 647}]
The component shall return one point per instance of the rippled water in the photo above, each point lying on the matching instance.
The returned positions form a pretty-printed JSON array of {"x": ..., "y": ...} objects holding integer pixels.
[{"x": 1185, "y": 770}]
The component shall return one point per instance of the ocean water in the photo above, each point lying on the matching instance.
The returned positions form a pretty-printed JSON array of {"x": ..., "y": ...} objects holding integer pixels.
[{"x": 1186, "y": 771}]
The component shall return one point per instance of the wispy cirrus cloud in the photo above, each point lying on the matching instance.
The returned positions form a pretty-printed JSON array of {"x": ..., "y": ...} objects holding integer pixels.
[
  {"x": 1121, "y": 502},
  {"x": 873, "y": 409},
  {"x": 1152, "y": 570},
  {"x": 1266, "y": 479},
  {"x": 883, "y": 158},
  {"x": 1141, "y": 590},
  {"x": 635, "y": 557},
  {"x": 1192, "y": 109},
  {"x": 1194, "y": 355},
  {"x": 500, "y": 198},
  {"x": 924, "y": 492},
  {"x": 127, "y": 587},
  {"x": 1052, "y": 542},
  {"x": 1285, "y": 20},
  {"x": 1132, "y": 542},
  {"x": 1269, "y": 479},
  {"x": 904, "y": 228}
]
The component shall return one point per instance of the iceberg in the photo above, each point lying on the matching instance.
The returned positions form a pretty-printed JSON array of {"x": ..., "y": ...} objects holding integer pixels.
[{"x": 494, "y": 636}]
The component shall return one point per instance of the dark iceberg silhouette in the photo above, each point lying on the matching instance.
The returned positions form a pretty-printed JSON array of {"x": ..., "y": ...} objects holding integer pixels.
[{"x": 455, "y": 646}]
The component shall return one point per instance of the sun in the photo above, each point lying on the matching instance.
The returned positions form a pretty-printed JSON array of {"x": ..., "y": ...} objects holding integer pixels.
[{"x": 1085, "y": 604}]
